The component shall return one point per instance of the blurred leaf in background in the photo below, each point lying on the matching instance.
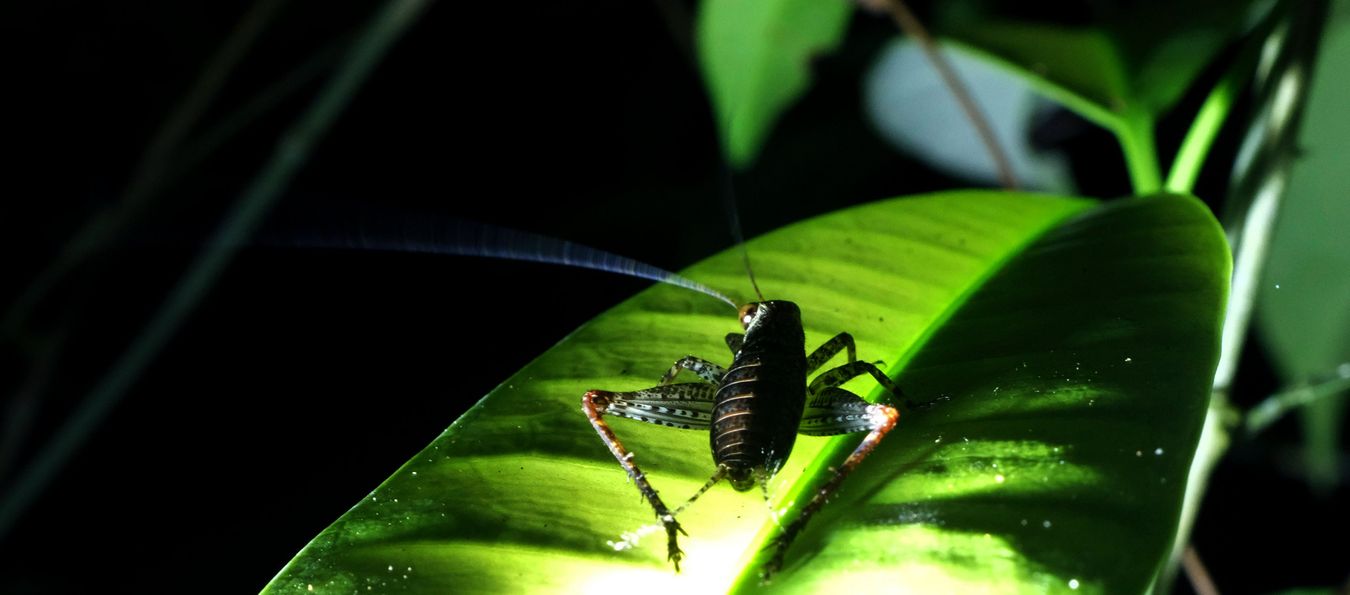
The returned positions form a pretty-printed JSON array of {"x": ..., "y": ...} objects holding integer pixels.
[
  {"x": 1120, "y": 65},
  {"x": 1118, "y": 56},
  {"x": 912, "y": 108},
  {"x": 1304, "y": 308},
  {"x": 756, "y": 59}
]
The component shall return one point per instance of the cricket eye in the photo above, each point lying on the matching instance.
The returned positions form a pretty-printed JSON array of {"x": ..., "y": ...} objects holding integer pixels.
[{"x": 748, "y": 313}]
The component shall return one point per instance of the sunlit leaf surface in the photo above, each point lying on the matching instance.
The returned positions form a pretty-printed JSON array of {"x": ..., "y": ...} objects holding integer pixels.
[{"x": 1062, "y": 350}]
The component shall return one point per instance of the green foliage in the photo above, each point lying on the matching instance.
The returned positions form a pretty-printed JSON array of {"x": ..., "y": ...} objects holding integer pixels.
[
  {"x": 1123, "y": 57},
  {"x": 1302, "y": 312},
  {"x": 1063, "y": 350},
  {"x": 1123, "y": 68},
  {"x": 756, "y": 58}
]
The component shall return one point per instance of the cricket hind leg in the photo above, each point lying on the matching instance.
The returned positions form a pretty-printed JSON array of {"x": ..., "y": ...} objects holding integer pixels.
[
  {"x": 673, "y": 405},
  {"x": 834, "y": 411}
]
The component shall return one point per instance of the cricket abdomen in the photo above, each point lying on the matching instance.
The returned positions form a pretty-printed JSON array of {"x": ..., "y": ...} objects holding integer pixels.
[{"x": 760, "y": 399}]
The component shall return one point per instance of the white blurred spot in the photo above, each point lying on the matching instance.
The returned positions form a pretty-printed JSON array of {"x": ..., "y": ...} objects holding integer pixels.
[{"x": 914, "y": 110}]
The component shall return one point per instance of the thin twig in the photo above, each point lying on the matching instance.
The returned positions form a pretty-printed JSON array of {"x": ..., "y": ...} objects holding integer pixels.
[
  {"x": 1276, "y": 406},
  {"x": 913, "y": 28},
  {"x": 1201, "y": 582}
]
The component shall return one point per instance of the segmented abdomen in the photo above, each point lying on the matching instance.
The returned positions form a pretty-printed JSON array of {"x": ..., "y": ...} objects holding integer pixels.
[{"x": 758, "y": 406}]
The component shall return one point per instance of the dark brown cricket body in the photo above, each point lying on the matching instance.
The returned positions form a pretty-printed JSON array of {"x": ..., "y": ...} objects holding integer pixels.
[
  {"x": 754, "y": 411},
  {"x": 760, "y": 400}
]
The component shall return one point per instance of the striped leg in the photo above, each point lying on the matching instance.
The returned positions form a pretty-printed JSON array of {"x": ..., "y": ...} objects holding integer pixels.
[
  {"x": 675, "y": 405},
  {"x": 822, "y": 354},
  {"x": 705, "y": 369},
  {"x": 835, "y": 411},
  {"x": 837, "y": 376}
]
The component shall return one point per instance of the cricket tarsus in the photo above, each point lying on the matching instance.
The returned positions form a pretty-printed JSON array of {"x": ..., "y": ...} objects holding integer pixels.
[
  {"x": 595, "y": 403},
  {"x": 882, "y": 418},
  {"x": 753, "y": 411}
]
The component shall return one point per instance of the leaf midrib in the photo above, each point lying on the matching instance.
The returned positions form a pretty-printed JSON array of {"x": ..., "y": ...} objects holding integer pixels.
[{"x": 835, "y": 450}]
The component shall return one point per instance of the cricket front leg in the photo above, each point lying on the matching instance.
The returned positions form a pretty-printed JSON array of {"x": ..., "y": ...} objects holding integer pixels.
[
  {"x": 822, "y": 354},
  {"x": 594, "y": 404},
  {"x": 705, "y": 369},
  {"x": 735, "y": 341}
]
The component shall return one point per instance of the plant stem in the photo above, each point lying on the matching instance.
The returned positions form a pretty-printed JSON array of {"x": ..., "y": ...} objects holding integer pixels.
[
  {"x": 1135, "y": 133},
  {"x": 1277, "y": 405},
  {"x": 910, "y": 24},
  {"x": 1259, "y": 180},
  {"x": 1201, "y": 582},
  {"x": 1208, "y": 121},
  {"x": 1210, "y": 118}
]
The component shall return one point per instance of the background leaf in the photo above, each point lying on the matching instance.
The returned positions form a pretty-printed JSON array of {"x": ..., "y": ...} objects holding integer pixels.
[
  {"x": 756, "y": 59},
  {"x": 1068, "y": 373},
  {"x": 1122, "y": 66},
  {"x": 1117, "y": 56},
  {"x": 1302, "y": 312},
  {"x": 912, "y": 109}
]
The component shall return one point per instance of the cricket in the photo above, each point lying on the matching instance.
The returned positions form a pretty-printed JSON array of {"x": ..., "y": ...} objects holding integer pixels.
[
  {"x": 753, "y": 408},
  {"x": 753, "y": 411},
  {"x": 209, "y": 364}
]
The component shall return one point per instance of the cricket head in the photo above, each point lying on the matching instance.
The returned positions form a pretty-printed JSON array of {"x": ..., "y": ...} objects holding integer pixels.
[
  {"x": 742, "y": 478},
  {"x": 758, "y": 314}
]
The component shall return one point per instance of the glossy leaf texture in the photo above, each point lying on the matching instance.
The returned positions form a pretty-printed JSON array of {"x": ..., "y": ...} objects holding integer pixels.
[
  {"x": 1062, "y": 352},
  {"x": 756, "y": 59}
]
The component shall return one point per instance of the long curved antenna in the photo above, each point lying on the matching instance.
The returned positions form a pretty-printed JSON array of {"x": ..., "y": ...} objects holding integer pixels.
[
  {"x": 908, "y": 23},
  {"x": 734, "y": 217},
  {"x": 461, "y": 237}
]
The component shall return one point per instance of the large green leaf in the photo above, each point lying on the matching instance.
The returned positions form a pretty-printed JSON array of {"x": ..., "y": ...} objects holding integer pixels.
[
  {"x": 756, "y": 59},
  {"x": 1064, "y": 351}
]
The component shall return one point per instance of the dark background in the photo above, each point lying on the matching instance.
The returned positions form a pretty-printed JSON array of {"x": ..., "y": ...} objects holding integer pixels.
[{"x": 305, "y": 377}]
